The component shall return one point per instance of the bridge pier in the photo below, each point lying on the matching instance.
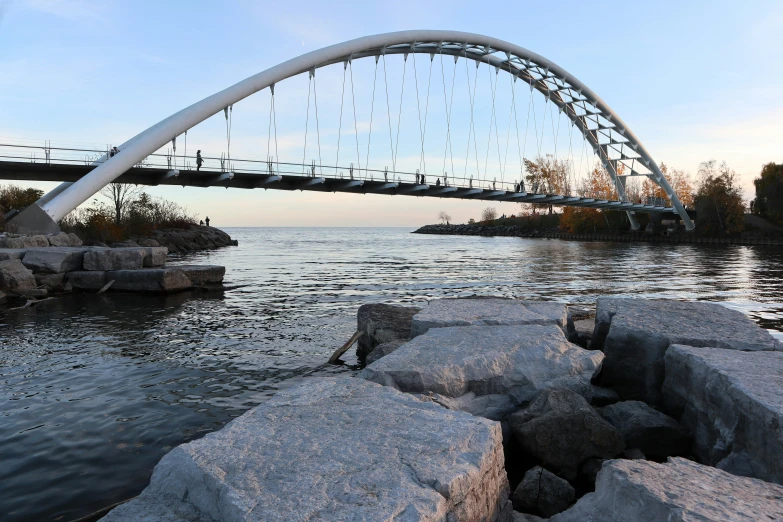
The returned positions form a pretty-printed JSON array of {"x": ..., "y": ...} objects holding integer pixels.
[{"x": 32, "y": 220}]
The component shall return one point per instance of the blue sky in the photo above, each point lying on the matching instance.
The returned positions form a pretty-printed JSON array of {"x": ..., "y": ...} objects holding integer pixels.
[{"x": 694, "y": 80}]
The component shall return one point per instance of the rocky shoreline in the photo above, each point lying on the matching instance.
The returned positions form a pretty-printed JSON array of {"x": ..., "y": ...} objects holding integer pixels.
[
  {"x": 39, "y": 266},
  {"x": 506, "y": 410},
  {"x": 555, "y": 233}
]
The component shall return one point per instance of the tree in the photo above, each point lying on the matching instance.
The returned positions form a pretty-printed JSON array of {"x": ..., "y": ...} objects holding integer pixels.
[
  {"x": 718, "y": 200},
  {"x": 444, "y": 218},
  {"x": 680, "y": 182},
  {"x": 769, "y": 193},
  {"x": 16, "y": 198},
  {"x": 489, "y": 214},
  {"x": 548, "y": 175},
  {"x": 121, "y": 195}
]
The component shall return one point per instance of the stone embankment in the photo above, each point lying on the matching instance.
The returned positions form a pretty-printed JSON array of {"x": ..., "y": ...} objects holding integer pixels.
[
  {"x": 468, "y": 408},
  {"x": 626, "y": 237},
  {"x": 36, "y": 266}
]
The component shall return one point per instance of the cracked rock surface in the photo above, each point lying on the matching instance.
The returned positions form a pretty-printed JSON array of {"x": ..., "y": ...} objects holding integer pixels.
[
  {"x": 680, "y": 490},
  {"x": 487, "y": 370},
  {"x": 334, "y": 449}
]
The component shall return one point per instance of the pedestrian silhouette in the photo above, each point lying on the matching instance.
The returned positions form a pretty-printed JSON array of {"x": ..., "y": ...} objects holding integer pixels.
[
  {"x": 207, "y": 220},
  {"x": 437, "y": 183},
  {"x": 201, "y": 223},
  {"x": 199, "y": 162}
]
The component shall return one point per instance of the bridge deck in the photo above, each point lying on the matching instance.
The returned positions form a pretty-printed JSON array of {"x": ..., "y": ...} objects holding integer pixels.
[{"x": 20, "y": 171}]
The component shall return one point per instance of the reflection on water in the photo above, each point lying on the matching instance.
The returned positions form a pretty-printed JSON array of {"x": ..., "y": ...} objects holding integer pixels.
[{"x": 96, "y": 389}]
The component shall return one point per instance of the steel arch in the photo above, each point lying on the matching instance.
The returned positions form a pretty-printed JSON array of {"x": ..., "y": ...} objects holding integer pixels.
[{"x": 611, "y": 139}]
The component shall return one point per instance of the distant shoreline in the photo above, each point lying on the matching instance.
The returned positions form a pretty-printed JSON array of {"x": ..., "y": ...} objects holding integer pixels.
[{"x": 622, "y": 237}]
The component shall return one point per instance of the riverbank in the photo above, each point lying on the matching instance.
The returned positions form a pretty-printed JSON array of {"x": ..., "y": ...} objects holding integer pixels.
[
  {"x": 488, "y": 409},
  {"x": 625, "y": 237}
]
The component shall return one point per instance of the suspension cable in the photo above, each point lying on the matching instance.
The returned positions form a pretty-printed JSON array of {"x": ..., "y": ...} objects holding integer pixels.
[
  {"x": 388, "y": 111},
  {"x": 307, "y": 122},
  {"x": 535, "y": 120},
  {"x": 399, "y": 114},
  {"x": 372, "y": 109},
  {"x": 527, "y": 126},
  {"x": 317, "y": 128},
  {"x": 426, "y": 113},
  {"x": 448, "y": 106},
  {"x": 229, "y": 112},
  {"x": 355, "y": 125},
  {"x": 418, "y": 108},
  {"x": 470, "y": 129},
  {"x": 511, "y": 112},
  {"x": 340, "y": 125}
]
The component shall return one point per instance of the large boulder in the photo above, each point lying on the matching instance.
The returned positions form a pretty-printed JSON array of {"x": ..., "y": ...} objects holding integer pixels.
[
  {"x": 561, "y": 430},
  {"x": 333, "y": 449},
  {"x": 156, "y": 280},
  {"x": 381, "y": 323},
  {"x": 16, "y": 277},
  {"x": 635, "y": 334},
  {"x": 679, "y": 490},
  {"x": 732, "y": 402},
  {"x": 487, "y": 370},
  {"x": 541, "y": 492},
  {"x": 657, "y": 435},
  {"x": 86, "y": 279},
  {"x": 440, "y": 313},
  {"x": 203, "y": 274},
  {"x": 6, "y": 254},
  {"x": 54, "y": 260},
  {"x": 114, "y": 259}
]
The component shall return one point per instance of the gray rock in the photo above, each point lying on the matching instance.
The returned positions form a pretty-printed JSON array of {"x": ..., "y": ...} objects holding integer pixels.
[
  {"x": 203, "y": 274},
  {"x": 561, "y": 430},
  {"x": 487, "y": 370},
  {"x": 657, "y": 435},
  {"x": 29, "y": 242},
  {"x": 679, "y": 490},
  {"x": 6, "y": 254},
  {"x": 50, "y": 281},
  {"x": 543, "y": 493},
  {"x": 334, "y": 449},
  {"x": 603, "y": 397},
  {"x": 155, "y": 256},
  {"x": 40, "y": 240},
  {"x": 14, "y": 243},
  {"x": 148, "y": 242},
  {"x": 584, "y": 331},
  {"x": 74, "y": 240},
  {"x": 86, "y": 280},
  {"x": 732, "y": 403},
  {"x": 526, "y": 517},
  {"x": 114, "y": 259},
  {"x": 53, "y": 260},
  {"x": 440, "y": 313},
  {"x": 16, "y": 277},
  {"x": 635, "y": 334},
  {"x": 381, "y": 323},
  {"x": 59, "y": 240},
  {"x": 157, "y": 280},
  {"x": 383, "y": 349}
]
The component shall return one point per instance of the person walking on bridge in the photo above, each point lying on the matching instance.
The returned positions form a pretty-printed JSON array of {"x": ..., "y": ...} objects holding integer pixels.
[
  {"x": 199, "y": 162},
  {"x": 206, "y": 219}
]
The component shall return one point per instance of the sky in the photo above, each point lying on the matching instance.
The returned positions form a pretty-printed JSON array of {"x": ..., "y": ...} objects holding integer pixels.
[{"x": 694, "y": 80}]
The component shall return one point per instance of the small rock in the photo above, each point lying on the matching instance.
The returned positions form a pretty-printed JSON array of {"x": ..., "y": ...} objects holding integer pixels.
[
  {"x": 561, "y": 430},
  {"x": 383, "y": 349},
  {"x": 51, "y": 282},
  {"x": 74, "y": 240},
  {"x": 543, "y": 493},
  {"x": 14, "y": 243},
  {"x": 41, "y": 241},
  {"x": 680, "y": 490},
  {"x": 147, "y": 242},
  {"x": 603, "y": 397},
  {"x": 16, "y": 277},
  {"x": 59, "y": 240},
  {"x": 657, "y": 435}
]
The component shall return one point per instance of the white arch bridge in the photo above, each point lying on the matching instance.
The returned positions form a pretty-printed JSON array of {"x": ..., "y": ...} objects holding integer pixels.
[{"x": 151, "y": 157}]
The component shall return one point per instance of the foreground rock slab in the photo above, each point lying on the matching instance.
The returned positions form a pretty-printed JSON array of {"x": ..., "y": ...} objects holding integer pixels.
[
  {"x": 635, "y": 334},
  {"x": 334, "y": 449},
  {"x": 156, "y": 280},
  {"x": 441, "y": 313},
  {"x": 560, "y": 430},
  {"x": 381, "y": 323},
  {"x": 487, "y": 370},
  {"x": 54, "y": 260},
  {"x": 732, "y": 402},
  {"x": 679, "y": 490}
]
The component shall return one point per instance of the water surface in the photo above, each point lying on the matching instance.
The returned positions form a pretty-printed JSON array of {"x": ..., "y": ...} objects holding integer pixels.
[{"x": 96, "y": 389}]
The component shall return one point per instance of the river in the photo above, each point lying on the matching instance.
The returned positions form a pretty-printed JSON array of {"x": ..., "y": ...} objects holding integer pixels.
[{"x": 96, "y": 389}]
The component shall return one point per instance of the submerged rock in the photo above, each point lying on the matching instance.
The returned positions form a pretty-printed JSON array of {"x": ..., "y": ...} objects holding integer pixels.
[
  {"x": 441, "y": 313},
  {"x": 382, "y": 323},
  {"x": 653, "y": 433},
  {"x": 561, "y": 430},
  {"x": 543, "y": 493},
  {"x": 638, "y": 490},
  {"x": 487, "y": 370},
  {"x": 334, "y": 449},
  {"x": 732, "y": 402},
  {"x": 635, "y": 334}
]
